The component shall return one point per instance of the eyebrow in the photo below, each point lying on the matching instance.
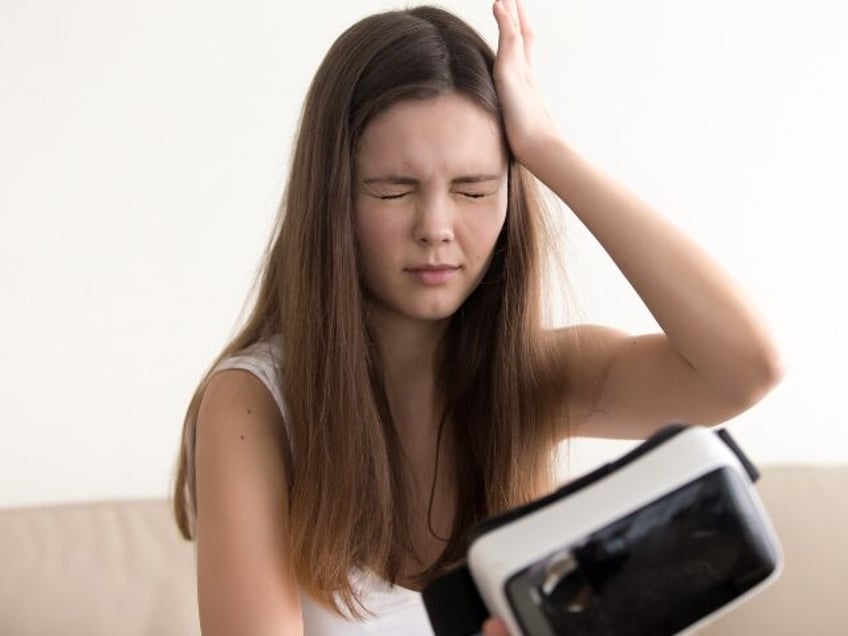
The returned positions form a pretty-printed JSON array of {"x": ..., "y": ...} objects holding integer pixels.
[{"x": 394, "y": 179}]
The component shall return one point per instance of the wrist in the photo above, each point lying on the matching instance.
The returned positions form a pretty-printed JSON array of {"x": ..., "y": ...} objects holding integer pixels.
[{"x": 542, "y": 152}]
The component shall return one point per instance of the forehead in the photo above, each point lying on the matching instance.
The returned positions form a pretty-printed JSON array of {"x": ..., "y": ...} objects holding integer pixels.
[{"x": 448, "y": 133}]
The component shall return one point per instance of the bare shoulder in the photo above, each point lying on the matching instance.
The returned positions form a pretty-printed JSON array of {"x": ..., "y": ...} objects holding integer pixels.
[
  {"x": 245, "y": 583},
  {"x": 235, "y": 404}
]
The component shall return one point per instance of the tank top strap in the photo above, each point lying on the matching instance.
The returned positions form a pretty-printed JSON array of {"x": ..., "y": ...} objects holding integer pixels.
[{"x": 264, "y": 360}]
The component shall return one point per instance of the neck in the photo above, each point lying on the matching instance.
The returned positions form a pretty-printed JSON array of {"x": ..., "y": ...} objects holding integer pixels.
[{"x": 408, "y": 352}]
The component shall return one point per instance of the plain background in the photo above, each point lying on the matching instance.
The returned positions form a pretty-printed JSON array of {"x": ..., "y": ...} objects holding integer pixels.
[{"x": 144, "y": 148}]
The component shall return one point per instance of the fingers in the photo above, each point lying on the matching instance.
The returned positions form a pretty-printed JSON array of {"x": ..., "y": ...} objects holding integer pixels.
[
  {"x": 507, "y": 17},
  {"x": 506, "y": 29},
  {"x": 494, "y": 627},
  {"x": 512, "y": 10},
  {"x": 508, "y": 33},
  {"x": 526, "y": 32},
  {"x": 511, "y": 16}
]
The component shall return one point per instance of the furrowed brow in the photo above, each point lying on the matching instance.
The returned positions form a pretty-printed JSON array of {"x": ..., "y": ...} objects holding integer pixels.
[
  {"x": 478, "y": 178},
  {"x": 390, "y": 179}
]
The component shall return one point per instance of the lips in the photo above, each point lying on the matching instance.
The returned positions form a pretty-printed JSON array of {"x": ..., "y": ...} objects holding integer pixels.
[{"x": 433, "y": 274}]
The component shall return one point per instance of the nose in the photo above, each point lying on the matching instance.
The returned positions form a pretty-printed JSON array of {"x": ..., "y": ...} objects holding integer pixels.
[{"x": 434, "y": 221}]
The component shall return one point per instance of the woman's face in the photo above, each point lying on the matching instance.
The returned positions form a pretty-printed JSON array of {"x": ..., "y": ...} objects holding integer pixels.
[{"x": 430, "y": 202}]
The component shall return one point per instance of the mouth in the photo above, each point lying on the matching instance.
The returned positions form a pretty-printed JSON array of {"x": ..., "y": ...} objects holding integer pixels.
[
  {"x": 433, "y": 275},
  {"x": 439, "y": 267}
]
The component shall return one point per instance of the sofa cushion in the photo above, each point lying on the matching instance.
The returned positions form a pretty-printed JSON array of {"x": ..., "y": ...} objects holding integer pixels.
[
  {"x": 114, "y": 568},
  {"x": 121, "y": 568}
]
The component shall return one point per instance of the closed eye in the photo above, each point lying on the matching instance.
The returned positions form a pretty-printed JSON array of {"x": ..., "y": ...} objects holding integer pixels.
[{"x": 468, "y": 195}]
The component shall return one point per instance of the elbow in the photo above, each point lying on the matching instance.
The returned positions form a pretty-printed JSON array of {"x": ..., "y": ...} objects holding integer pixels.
[
  {"x": 762, "y": 373},
  {"x": 776, "y": 368},
  {"x": 770, "y": 368}
]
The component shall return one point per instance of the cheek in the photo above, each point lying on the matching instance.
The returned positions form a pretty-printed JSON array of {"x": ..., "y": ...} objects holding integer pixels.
[
  {"x": 370, "y": 230},
  {"x": 377, "y": 237},
  {"x": 483, "y": 229}
]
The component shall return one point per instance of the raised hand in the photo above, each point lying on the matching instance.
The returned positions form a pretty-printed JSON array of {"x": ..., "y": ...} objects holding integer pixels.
[{"x": 526, "y": 120}]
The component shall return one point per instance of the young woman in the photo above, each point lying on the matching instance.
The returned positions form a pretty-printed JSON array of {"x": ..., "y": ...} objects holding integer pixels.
[{"x": 394, "y": 385}]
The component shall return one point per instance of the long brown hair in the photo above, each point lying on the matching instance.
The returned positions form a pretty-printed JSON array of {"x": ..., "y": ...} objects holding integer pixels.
[{"x": 351, "y": 512}]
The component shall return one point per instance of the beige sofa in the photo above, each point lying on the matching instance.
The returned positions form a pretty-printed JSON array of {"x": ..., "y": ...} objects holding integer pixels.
[{"x": 120, "y": 568}]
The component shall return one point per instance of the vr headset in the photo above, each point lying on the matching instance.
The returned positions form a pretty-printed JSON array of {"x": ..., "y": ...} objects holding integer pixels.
[{"x": 658, "y": 542}]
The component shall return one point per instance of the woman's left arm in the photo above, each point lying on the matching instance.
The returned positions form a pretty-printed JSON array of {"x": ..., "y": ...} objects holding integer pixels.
[{"x": 715, "y": 357}]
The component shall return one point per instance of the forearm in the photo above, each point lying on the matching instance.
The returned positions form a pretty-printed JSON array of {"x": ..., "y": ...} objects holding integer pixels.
[{"x": 705, "y": 317}]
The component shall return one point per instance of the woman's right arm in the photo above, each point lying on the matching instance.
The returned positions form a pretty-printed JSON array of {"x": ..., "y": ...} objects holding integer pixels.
[{"x": 244, "y": 577}]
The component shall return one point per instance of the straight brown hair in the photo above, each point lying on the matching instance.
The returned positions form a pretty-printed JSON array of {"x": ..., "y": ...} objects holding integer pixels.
[{"x": 350, "y": 512}]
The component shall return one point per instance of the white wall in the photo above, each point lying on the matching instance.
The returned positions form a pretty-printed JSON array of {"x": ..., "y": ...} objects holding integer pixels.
[{"x": 143, "y": 149}]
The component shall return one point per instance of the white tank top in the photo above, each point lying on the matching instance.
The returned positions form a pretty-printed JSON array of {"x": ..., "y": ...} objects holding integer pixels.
[{"x": 395, "y": 609}]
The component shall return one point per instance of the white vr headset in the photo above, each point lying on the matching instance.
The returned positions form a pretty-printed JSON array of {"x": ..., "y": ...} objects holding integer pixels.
[{"x": 658, "y": 542}]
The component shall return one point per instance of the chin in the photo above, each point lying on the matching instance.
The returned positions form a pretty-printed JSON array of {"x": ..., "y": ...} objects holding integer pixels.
[
  {"x": 423, "y": 311},
  {"x": 432, "y": 315},
  {"x": 433, "y": 312}
]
